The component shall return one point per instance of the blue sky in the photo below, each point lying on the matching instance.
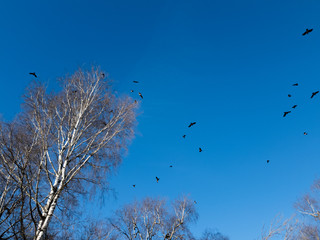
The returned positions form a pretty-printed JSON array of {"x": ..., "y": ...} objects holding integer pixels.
[{"x": 227, "y": 65}]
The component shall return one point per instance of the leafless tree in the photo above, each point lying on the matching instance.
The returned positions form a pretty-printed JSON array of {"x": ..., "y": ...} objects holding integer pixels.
[
  {"x": 309, "y": 204},
  {"x": 60, "y": 146},
  {"x": 213, "y": 235},
  {"x": 151, "y": 220},
  {"x": 281, "y": 228}
]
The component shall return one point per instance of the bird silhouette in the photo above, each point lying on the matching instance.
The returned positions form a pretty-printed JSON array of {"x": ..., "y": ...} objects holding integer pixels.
[
  {"x": 135, "y": 81},
  {"x": 34, "y": 74},
  {"x": 195, "y": 202},
  {"x": 289, "y": 95},
  {"x": 140, "y": 95},
  {"x": 184, "y": 136},
  {"x": 295, "y": 84},
  {"x": 305, "y": 133},
  {"x": 268, "y": 161},
  {"x": 200, "y": 150},
  {"x": 307, "y": 31},
  {"x": 133, "y": 185},
  {"x": 170, "y": 166},
  {"x": 314, "y": 93},
  {"x": 157, "y": 179},
  {"x": 191, "y": 124},
  {"x": 294, "y": 106},
  {"x": 285, "y": 113},
  {"x": 131, "y": 91}
]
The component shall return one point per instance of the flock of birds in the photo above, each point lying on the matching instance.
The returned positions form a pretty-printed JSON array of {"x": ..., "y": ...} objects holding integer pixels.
[
  {"x": 184, "y": 136},
  {"x": 307, "y": 31}
]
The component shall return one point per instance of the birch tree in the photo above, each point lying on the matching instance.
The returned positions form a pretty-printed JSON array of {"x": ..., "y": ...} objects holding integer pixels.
[
  {"x": 151, "y": 220},
  {"x": 60, "y": 146}
]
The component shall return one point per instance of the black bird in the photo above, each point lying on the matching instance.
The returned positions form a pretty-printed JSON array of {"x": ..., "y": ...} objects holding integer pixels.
[
  {"x": 296, "y": 84},
  {"x": 157, "y": 179},
  {"x": 34, "y": 74},
  {"x": 170, "y": 166},
  {"x": 200, "y": 150},
  {"x": 133, "y": 185},
  {"x": 140, "y": 95},
  {"x": 135, "y": 81},
  {"x": 289, "y": 95},
  {"x": 314, "y": 93},
  {"x": 305, "y": 133},
  {"x": 131, "y": 90},
  {"x": 268, "y": 161},
  {"x": 191, "y": 124},
  {"x": 285, "y": 113},
  {"x": 294, "y": 106},
  {"x": 184, "y": 136},
  {"x": 307, "y": 31}
]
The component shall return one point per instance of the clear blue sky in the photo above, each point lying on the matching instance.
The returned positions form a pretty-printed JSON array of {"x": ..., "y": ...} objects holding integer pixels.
[{"x": 228, "y": 65}]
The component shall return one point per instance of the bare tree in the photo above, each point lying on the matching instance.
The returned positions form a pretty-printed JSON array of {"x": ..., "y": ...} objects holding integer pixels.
[
  {"x": 151, "y": 220},
  {"x": 285, "y": 229},
  {"x": 309, "y": 204},
  {"x": 61, "y": 145},
  {"x": 213, "y": 235}
]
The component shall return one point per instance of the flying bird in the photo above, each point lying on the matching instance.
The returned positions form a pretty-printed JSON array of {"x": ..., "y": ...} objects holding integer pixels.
[
  {"x": 131, "y": 91},
  {"x": 135, "y": 81},
  {"x": 307, "y": 31},
  {"x": 157, "y": 179},
  {"x": 170, "y": 166},
  {"x": 184, "y": 136},
  {"x": 133, "y": 185},
  {"x": 305, "y": 133},
  {"x": 200, "y": 150},
  {"x": 195, "y": 202},
  {"x": 294, "y": 106},
  {"x": 295, "y": 84},
  {"x": 314, "y": 93},
  {"x": 285, "y": 113},
  {"x": 140, "y": 95},
  {"x": 268, "y": 161},
  {"x": 34, "y": 74},
  {"x": 289, "y": 95},
  {"x": 191, "y": 124}
]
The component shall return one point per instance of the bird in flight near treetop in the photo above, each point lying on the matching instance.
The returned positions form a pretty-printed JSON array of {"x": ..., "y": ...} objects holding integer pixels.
[
  {"x": 34, "y": 74},
  {"x": 200, "y": 150},
  {"x": 157, "y": 179},
  {"x": 307, "y": 31},
  {"x": 140, "y": 95},
  {"x": 296, "y": 84},
  {"x": 135, "y": 81},
  {"x": 191, "y": 124}
]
